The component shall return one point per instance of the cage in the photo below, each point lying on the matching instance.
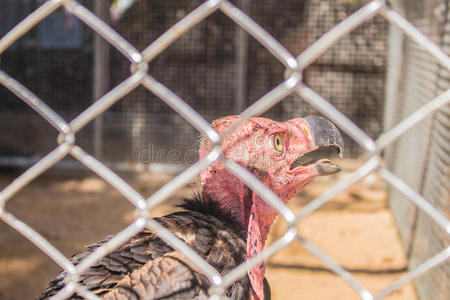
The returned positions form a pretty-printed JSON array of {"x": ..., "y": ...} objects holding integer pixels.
[{"x": 379, "y": 71}]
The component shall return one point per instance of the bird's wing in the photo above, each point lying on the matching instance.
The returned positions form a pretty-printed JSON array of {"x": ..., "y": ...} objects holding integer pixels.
[
  {"x": 167, "y": 277},
  {"x": 146, "y": 266}
]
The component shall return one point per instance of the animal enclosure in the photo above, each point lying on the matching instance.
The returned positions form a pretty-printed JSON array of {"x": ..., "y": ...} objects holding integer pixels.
[{"x": 134, "y": 94}]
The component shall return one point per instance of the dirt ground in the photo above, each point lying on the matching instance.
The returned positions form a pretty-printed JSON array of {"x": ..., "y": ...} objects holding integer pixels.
[{"x": 356, "y": 229}]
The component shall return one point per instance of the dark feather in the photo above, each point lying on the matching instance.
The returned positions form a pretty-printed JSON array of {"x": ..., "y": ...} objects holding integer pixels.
[
  {"x": 208, "y": 207},
  {"x": 146, "y": 268}
]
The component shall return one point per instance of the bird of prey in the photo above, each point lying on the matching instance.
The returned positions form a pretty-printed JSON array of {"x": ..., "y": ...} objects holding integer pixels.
[{"x": 226, "y": 223}]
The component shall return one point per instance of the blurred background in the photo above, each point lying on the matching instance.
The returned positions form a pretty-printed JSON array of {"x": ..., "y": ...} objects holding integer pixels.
[{"x": 374, "y": 75}]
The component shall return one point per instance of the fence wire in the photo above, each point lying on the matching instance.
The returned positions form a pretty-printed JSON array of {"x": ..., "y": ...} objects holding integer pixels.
[{"x": 139, "y": 62}]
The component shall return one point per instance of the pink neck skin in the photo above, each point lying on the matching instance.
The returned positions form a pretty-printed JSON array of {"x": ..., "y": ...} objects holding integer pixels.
[{"x": 254, "y": 213}]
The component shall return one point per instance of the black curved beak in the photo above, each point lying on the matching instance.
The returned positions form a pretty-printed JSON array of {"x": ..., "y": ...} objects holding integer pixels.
[{"x": 329, "y": 145}]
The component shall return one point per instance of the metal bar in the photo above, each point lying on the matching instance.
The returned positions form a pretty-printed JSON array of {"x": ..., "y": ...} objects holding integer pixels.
[
  {"x": 23, "y": 27},
  {"x": 38, "y": 240},
  {"x": 416, "y": 272},
  {"x": 326, "y": 108},
  {"x": 260, "y": 34},
  {"x": 32, "y": 100},
  {"x": 101, "y": 76},
  {"x": 104, "y": 30},
  {"x": 340, "y": 186},
  {"x": 109, "y": 176},
  {"x": 181, "y": 107},
  {"x": 107, "y": 100},
  {"x": 414, "y": 34},
  {"x": 266, "y": 102},
  {"x": 259, "y": 188},
  {"x": 241, "y": 65},
  {"x": 82, "y": 291},
  {"x": 330, "y": 38},
  {"x": 177, "y": 30},
  {"x": 406, "y": 124},
  {"x": 394, "y": 81},
  {"x": 336, "y": 268},
  {"x": 190, "y": 254},
  {"x": 112, "y": 244},
  {"x": 179, "y": 181},
  {"x": 273, "y": 97},
  {"x": 26, "y": 162},
  {"x": 65, "y": 292},
  {"x": 417, "y": 199},
  {"x": 37, "y": 169},
  {"x": 247, "y": 265}
]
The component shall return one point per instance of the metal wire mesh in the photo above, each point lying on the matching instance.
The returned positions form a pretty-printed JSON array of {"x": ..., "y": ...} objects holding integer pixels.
[
  {"x": 424, "y": 79},
  {"x": 140, "y": 63},
  {"x": 215, "y": 66}
]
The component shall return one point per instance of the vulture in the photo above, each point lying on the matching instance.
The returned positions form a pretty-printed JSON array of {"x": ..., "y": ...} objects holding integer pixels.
[{"x": 226, "y": 223}]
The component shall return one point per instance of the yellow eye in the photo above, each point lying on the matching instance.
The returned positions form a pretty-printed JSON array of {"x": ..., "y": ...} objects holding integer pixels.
[
  {"x": 306, "y": 131},
  {"x": 278, "y": 142}
]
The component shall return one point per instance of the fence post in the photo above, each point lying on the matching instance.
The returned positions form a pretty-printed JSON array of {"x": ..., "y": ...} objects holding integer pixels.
[
  {"x": 101, "y": 76},
  {"x": 240, "y": 98}
]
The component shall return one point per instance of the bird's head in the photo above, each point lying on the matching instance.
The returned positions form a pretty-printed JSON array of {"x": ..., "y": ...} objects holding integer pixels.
[{"x": 285, "y": 156}]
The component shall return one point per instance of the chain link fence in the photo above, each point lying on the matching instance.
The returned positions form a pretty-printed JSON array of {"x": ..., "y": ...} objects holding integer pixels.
[
  {"x": 141, "y": 76},
  {"x": 215, "y": 66},
  {"x": 428, "y": 145}
]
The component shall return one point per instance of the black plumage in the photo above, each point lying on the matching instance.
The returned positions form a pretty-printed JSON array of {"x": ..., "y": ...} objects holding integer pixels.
[{"x": 146, "y": 268}]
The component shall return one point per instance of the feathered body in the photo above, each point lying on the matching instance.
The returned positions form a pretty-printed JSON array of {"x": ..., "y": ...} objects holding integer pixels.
[{"x": 146, "y": 268}]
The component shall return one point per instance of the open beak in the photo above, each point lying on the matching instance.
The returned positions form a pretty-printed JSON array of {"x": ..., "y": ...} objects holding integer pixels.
[{"x": 329, "y": 145}]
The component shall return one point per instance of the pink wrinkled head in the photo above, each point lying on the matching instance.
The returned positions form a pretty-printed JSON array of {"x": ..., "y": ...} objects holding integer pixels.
[{"x": 270, "y": 150}]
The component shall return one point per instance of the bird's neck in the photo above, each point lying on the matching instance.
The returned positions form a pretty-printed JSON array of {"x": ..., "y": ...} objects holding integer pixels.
[
  {"x": 230, "y": 195},
  {"x": 233, "y": 196},
  {"x": 255, "y": 215}
]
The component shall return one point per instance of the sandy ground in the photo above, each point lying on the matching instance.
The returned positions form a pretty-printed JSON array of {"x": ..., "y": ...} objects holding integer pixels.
[{"x": 356, "y": 229}]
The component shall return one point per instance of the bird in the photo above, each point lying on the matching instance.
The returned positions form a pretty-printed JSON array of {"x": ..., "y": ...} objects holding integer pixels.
[{"x": 226, "y": 223}]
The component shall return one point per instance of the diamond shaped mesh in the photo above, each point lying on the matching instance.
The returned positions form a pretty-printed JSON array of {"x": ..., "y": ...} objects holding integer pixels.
[{"x": 141, "y": 76}]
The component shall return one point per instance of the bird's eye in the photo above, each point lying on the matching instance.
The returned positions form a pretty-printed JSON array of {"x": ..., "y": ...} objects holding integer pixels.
[
  {"x": 278, "y": 142},
  {"x": 306, "y": 131}
]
